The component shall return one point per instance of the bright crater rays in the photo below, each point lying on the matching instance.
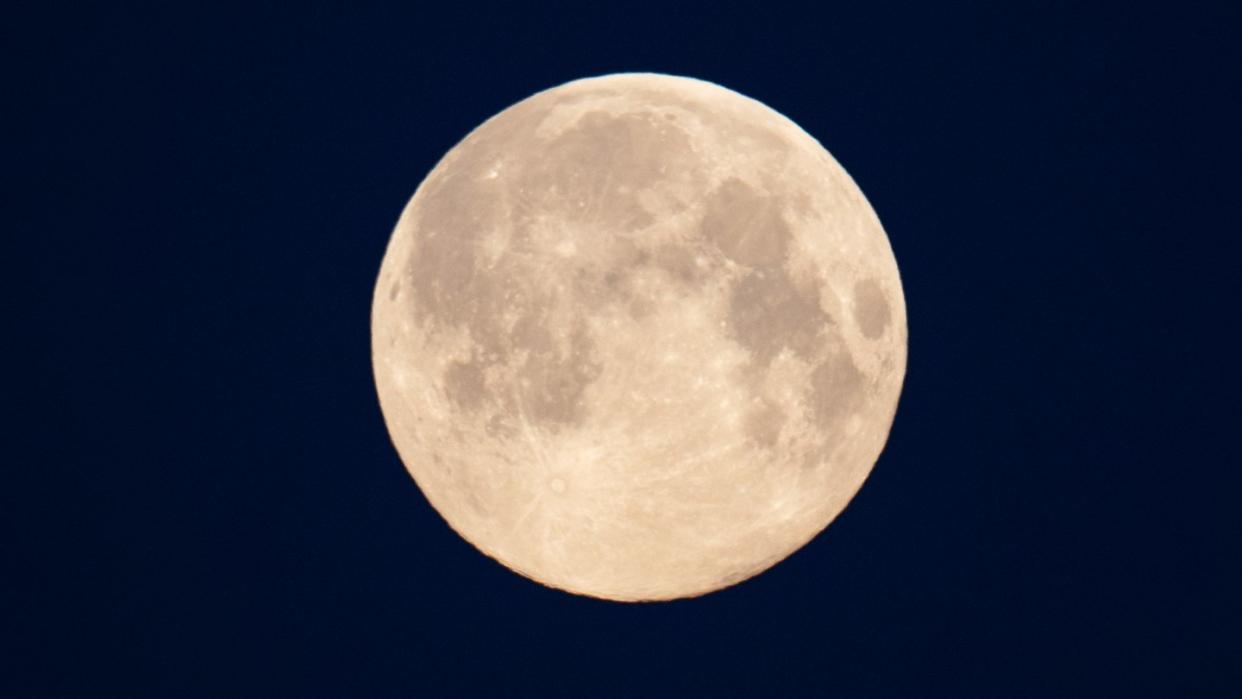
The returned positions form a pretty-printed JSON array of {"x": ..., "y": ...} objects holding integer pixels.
[{"x": 638, "y": 337}]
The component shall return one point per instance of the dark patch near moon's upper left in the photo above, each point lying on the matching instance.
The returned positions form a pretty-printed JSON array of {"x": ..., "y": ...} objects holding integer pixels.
[
  {"x": 594, "y": 170},
  {"x": 588, "y": 178}
]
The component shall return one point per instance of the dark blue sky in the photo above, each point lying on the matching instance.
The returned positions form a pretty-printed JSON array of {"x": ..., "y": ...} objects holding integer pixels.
[{"x": 203, "y": 499}]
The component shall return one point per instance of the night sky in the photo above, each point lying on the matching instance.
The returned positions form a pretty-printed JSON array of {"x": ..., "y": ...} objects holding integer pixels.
[{"x": 200, "y": 497}]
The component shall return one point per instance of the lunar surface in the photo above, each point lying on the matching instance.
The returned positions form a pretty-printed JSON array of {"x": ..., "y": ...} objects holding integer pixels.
[{"x": 638, "y": 337}]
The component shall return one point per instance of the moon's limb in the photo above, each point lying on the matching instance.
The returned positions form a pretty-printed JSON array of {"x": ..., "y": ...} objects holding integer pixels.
[{"x": 638, "y": 337}]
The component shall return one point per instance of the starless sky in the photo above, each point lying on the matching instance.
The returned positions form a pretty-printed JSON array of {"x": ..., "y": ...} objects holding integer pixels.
[{"x": 201, "y": 498}]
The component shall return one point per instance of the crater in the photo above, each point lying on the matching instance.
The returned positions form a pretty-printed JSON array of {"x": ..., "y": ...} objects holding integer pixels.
[
  {"x": 767, "y": 312},
  {"x": 745, "y": 225},
  {"x": 870, "y": 308}
]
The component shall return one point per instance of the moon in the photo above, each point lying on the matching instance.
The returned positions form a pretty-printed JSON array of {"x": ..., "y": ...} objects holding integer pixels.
[{"x": 638, "y": 337}]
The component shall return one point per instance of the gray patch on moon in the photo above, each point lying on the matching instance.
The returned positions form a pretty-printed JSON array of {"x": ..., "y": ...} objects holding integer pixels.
[
  {"x": 679, "y": 263},
  {"x": 443, "y": 270},
  {"x": 464, "y": 384},
  {"x": 870, "y": 308},
  {"x": 546, "y": 381},
  {"x": 458, "y": 205},
  {"x": 837, "y": 390},
  {"x": 767, "y": 312},
  {"x": 745, "y": 225},
  {"x": 546, "y": 376},
  {"x": 551, "y": 383},
  {"x": 640, "y": 308},
  {"x": 639, "y": 149},
  {"x": 605, "y": 279},
  {"x": 764, "y": 423}
]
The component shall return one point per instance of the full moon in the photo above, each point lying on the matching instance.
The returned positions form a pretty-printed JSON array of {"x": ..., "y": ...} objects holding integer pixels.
[{"x": 638, "y": 337}]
